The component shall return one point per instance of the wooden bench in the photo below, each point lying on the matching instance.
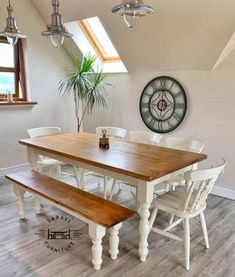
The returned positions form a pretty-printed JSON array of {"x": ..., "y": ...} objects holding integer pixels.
[{"x": 100, "y": 214}]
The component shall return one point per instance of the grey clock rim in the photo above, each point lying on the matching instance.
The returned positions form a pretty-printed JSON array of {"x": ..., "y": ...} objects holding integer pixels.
[{"x": 185, "y": 109}]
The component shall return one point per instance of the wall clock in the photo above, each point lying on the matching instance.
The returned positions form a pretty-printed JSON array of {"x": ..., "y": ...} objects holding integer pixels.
[{"x": 163, "y": 104}]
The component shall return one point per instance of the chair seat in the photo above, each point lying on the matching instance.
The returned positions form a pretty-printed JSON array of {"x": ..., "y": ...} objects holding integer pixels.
[
  {"x": 179, "y": 179},
  {"x": 173, "y": 202},
  {"x": 48, "y": 162}
]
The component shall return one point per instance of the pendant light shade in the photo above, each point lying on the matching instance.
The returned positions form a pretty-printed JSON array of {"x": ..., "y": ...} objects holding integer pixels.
[
  {"x": 56, "y": 31},
  {"x": 131, "y": 10},
  {"x": 11, "y": 32}
]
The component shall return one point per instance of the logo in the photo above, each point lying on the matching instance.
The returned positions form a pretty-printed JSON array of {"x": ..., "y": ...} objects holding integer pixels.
[{"x": 57, "y": 234}]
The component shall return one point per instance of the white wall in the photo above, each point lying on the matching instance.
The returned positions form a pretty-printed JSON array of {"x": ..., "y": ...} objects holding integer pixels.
[
  {"x": 210, "y": 116},
  {"x": 46, "y": 65}
]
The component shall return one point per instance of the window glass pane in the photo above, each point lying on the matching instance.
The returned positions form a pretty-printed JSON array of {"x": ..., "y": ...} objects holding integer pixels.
[
  {"x": 6, "y": 55},
  {"x": 7, "y": 83},
  {"x": 101, "y": 36}
]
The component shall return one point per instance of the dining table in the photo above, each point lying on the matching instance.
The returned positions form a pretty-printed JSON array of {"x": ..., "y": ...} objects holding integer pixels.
[{"x": 144, "y": 166}]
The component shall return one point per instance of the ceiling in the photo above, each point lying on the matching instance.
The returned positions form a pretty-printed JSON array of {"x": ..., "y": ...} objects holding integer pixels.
[{"x": 183, "y": 35}]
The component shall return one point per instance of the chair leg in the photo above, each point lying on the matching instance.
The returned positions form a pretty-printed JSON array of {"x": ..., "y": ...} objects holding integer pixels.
[
  {"x": 171, "y": 220},
  {"x": 112, "y": 189},
  {"x": 53, "y": 172},
  {"x": 82, "y": 178},
  {"x": 204, "y": 229},
  {"x": 187, "y": 242},
  {"x": 77, "y": 174},
  {"x": 152, "y": 218},
  {"x": 105, "y": 187}
]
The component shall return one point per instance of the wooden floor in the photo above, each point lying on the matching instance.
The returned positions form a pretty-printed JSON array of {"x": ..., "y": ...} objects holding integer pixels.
[{"x": 23, "y": 253}]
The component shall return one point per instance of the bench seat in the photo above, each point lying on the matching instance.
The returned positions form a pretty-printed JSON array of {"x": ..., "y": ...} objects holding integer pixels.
[{"x": 99, "y": 213}]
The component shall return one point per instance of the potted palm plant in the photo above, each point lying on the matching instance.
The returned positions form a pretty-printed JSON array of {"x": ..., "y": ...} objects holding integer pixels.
[{"x": 87, "y": 86}]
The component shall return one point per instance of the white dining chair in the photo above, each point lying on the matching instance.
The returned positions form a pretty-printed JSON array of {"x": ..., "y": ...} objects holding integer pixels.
[
  {"x": 178, "y": 143},
  {"x": 44, "y": 163},
  {"x": 138, "y": 137},
  {"x": 113, "y": 133},
  {"x": 144, "y": 137},
  {"x": 187, "y": 204}
]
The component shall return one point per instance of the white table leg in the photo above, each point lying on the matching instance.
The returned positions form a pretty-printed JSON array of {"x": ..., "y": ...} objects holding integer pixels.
[
  {"x": 114, "y": 241},
  {"x": 145, "y": 197},
  {"x": 96, "y": 233},
  {"x": 19, "y": 200}
]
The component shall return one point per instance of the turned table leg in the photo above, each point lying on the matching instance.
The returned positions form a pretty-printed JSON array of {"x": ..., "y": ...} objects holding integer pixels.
[
  {"x": 145, "y": 197},
  {"x": 144, "y": 231}
]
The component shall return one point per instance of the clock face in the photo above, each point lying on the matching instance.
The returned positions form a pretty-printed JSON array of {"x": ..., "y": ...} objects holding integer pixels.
[{"x": 163, "y": 104}]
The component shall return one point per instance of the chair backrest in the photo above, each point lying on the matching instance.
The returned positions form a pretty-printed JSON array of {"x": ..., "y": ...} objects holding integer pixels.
[
  {"x": 204, "y": 180},
  {"x": 112, "y": 132},
  {"x": 144, "y": 137},
  {"x": 180, "y": 143},
  {"x": 43, "y": 131}
]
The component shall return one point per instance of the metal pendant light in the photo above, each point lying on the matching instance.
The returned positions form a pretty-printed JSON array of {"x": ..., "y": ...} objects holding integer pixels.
[
  {"x": 131, "y": 10},
  {"x": 11, "y": 31},
  {"x": 56, "y": 31}
]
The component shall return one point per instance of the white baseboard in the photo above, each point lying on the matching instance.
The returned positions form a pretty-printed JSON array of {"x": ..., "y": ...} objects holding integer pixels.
[
  {"x": 13, "y": 169},
  {"x": 223, "y": 192}
]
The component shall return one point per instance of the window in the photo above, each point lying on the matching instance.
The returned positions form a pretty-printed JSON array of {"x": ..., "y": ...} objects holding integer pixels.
[
  {"x": 12, "y": 71},
  {"x": 91, "y": 37},
  {"x": 98, "y": 38}
]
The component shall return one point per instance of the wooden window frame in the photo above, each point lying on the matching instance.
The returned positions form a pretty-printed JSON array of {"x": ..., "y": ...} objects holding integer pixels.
[
  {"x": 17, "y": 70},
  {"x": 95, "y": 44}
]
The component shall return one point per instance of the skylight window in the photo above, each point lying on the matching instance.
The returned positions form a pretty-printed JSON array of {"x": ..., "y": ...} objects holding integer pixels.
[{"x": 91, "y": 37}]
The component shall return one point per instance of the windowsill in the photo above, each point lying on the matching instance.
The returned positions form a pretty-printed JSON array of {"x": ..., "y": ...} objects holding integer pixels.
[{"x": 18, "y": 103}]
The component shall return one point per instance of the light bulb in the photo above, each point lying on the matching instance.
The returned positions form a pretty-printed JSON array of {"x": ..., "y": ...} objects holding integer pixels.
[
  {"x": 12, "y": 40},
  {"x": 57, "y": 40}
]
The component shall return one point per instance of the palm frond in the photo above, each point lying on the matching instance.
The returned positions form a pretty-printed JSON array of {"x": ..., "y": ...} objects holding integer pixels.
[{"x": 86, "y": 82}]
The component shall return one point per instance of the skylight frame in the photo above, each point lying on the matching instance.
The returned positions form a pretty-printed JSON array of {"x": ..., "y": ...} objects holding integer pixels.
[{"x": 96, "y": 44}]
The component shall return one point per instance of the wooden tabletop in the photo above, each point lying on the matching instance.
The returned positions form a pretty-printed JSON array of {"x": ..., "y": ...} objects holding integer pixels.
[{"x": 141, "y": 161}]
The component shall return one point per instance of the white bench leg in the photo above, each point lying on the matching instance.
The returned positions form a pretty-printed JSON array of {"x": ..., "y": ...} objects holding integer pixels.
[
  {"x": 96, "y": 233},
  {"x": 19, "y": 200},
  {"x": 114, "y": 241},
  {"x": 37, "y": 205}
]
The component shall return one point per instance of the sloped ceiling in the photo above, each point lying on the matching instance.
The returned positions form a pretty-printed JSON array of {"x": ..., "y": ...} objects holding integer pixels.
[{"x": 183, "y": 35}]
